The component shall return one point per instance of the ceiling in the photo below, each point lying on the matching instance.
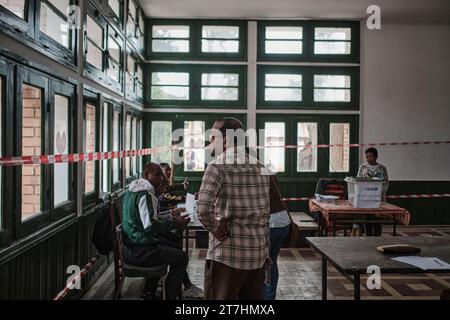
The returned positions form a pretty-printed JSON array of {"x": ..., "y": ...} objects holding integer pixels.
[{"x": 406, "y": 11}]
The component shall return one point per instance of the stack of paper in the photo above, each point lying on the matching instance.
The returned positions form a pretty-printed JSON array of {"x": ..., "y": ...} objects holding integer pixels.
[{"x": 424, "y": 263}]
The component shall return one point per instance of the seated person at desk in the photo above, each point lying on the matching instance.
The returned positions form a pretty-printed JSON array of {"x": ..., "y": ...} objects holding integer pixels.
[
  {"x": 143, "y": 229},
  {"x": 373, "y": 169},
  {"x": 166, "y": 197}
]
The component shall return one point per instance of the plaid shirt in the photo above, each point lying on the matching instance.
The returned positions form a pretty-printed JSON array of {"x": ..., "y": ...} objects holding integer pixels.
[{"x": 238, "y": 195}]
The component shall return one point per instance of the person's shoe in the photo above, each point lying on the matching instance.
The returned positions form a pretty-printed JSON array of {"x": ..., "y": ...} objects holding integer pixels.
[{"x": 193, "y": 292}]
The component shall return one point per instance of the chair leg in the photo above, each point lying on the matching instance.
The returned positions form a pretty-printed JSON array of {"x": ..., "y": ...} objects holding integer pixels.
[{"x": 163, "y": 284}]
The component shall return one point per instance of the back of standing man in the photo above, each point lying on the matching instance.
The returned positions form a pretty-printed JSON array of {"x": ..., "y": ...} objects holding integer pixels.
[{"x": 234, "y": 207}]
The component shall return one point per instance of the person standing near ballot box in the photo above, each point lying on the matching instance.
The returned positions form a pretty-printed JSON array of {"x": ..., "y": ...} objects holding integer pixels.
[{"x": 373, "y": 169}]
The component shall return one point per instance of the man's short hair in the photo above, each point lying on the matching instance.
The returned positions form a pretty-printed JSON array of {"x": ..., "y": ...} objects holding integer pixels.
[
  {"x": 372, "y": 151},
  {"x": 230, "y": 124},
  {"x": 165, "y": 165},
  {"x": 150, "y": 168}
]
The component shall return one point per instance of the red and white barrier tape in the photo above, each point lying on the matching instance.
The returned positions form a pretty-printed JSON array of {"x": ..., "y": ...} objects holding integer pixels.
[
  {"x": 403, "y": 196},
  {"x": 98, "y": 156},
  {"x": 76, "y": 278}
]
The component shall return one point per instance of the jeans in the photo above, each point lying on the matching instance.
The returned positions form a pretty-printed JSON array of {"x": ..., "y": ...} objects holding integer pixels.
[{"x": 277, "y": 237}]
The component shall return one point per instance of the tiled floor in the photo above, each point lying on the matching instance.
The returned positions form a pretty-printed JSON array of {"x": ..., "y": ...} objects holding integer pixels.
[{"x": 300, "y": 277}]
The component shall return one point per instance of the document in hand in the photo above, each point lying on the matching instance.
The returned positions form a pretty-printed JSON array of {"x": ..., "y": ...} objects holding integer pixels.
[{"x": 424, "y": 263}]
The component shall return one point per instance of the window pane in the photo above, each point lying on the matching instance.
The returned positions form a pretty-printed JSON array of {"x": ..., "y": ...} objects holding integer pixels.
[
  {"x": 114, "y": 49},
  {"x": 284, "y": 47},
  {"x": 339, "y": 156},
  {"x": 54, "y": 26},
  {"x": 128, "y": 135},
  {"x": 94, "y": 56},
  {"x": 194, "y": 143},
  {"x": 332, "y": 47},
  {"x": 141, "y": 145},
  {"x": 114, "y": 70},
  {"x": 170, "y": 46},
  {"x": 306, "y": 156},
  {"x": 161, "y": 137},
  {"x": 116, "y": 145},
  {"x": 141, "y": 22},
  {"x": 274, "y": 136},
  {"x": 105, "y": 171},
  {"x": 170, "y": 78},
  {"x": 324, "y": 33},
  {"x": 133, "y": 145},
  {"x": 115, "y": 6},
  {"x": 170, "y": 31},
  {"x": 215, "y": 93},
  {"x": 283, "y": 80},
  {"x": 330, "y": 94},
  {"x": 1, "y": 147},
  {"x": 31, "y": 146},
  {"x": 225, "y": 46},
  {"x": 283, "y": 94},
  {"x": 61, "y": 5},
  {"x": 15, "y": 6},
  {"x": 132, "y": 9},
  {"x": 131, "y": 28},
  {"x": 90, "y": 135},
  {"x": 94, "y": 31},
  {"x": 140, "y": 74},
  {"x": 170, "y": 86},
  {"x": 220, "y": 32},
  {"x": 61, "y": 140},
  {"x": 284, "y": 33}
]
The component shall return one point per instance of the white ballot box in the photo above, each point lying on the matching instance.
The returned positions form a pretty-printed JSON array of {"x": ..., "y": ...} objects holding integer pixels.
[{"x": 364, "y": 193}]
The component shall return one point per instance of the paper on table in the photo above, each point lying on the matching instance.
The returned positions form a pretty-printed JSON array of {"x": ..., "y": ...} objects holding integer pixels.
[
  {"x": 424, "y": 263},
  {"x": 190, "y": 203}
]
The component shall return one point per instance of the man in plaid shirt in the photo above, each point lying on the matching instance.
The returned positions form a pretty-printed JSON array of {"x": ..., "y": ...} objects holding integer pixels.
[{"x": 234, "y": 207}]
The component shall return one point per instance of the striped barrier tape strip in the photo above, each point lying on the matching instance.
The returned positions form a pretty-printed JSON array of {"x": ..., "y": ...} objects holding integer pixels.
[
  {"x": 98, "y": 156},
  {"x": 77, "y": 278},
  {"x": 402, "y": 196}
]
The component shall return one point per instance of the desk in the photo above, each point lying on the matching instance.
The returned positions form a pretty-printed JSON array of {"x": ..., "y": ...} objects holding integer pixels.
[
  {"x": 352, "y": 256},
  {"x": 194, "y": 226},
  {"x": 343, "y": 212}
]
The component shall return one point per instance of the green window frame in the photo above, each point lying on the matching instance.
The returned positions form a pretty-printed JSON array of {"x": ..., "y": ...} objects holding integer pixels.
[
  {"x": 177, "y": 122},
  {"x": 323, "y": 122},
  {"x": 308, "y": 86},
  {"x": 310, "y": 41},
  {"x": 197, "y": 38},
  {"x": 115, "y": 64},
  {"x": 14, "y": 24},
  {"x": 197, "y": 84}
]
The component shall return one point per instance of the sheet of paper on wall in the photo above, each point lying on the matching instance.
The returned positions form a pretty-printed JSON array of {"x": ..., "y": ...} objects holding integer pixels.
[{"x": 424, "y": 263}]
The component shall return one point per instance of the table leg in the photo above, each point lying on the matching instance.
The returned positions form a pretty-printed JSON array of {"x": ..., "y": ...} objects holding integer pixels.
[
  {"x": 394, "y": 228},
  {"x": 357, "y": 284},
  {"x": 186, "y": 239},
  {"x": 324, "y": 278}
]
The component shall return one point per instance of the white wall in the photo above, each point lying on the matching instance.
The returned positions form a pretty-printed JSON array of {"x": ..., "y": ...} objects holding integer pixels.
[{"x": 405, "y": 79}]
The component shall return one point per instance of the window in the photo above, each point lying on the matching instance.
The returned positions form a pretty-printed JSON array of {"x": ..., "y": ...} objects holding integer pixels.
[
  {"x": 220, "y": 86},
  {"x": 307, "y": 155},
  {"x": 283, "y": 40},
  {"x": 220, "y": 39},
  {"x": 141, "y": 31},
  {"x": 53, "y": 21},
  {"x": 61, "y": 181},
  {"x": 116, "y": 144},
  {"x": 32, "y": 128},
  {"x": 117, "y": 8},
  {"x": 132, "y": 19},
  {"x": 339, "y": 155},
  {"x": 170, "y": 38},
  {"x": 90, "y": 146},
  {"x": 140, "y": 160},
  {"x": 140, "y": 82},
  {"x": 194, "y": 143},
  {"x": 332, "y": 88},
  {"x": 95, "y": 43},
  {"x": 18, "y": 7},
  {"x": 134, "y": 132},
  {"x": 1, "y": 149},
  {"x": 161, "y": 136},
  {"x": 325, "y": 41},
  {"x": 128, "y": 137},
  {"x": 105, "y": 188},
  {"x": 274, "y": 141},
  {"x": 131, "y": 77},
  {"x": 170, "y": 86},
  {"x": 329, "y": 40},
  {"x": 283, "y": 87},
  {"x": 198, "y": 39},
  {"x": 115, "y": 58}
]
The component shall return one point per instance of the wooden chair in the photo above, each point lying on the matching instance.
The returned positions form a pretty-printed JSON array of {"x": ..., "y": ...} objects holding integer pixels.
[{"x": 124, "y": 270}]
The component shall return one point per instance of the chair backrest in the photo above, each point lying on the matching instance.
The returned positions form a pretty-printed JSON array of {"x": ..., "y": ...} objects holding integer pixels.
[
  {"x": 118, "y": 258},
  {"x": 332, "y": 187}
]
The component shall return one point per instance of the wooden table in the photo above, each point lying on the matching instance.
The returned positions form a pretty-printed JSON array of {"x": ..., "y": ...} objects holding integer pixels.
[
  {"x": 342, "y": 212},
  {"x": 352, "y": 256}
]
